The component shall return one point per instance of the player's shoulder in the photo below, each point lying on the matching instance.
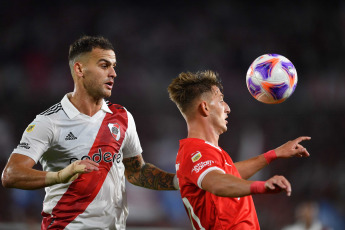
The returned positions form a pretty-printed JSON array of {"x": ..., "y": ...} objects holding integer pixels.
[
  {"x": 119, "y": 108},
  {"x": 192, "y": 146},
  {"x": 115, "y": 106},
  {"x": 45, "y": 119},
  {"x": 52, "y": 110},
  {"x": 50, "y": 115},
  {"x": 195, "y": 143}
]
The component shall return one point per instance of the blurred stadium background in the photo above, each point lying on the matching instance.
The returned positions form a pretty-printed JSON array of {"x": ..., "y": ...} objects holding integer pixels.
[{"x": 154, "y": 42}]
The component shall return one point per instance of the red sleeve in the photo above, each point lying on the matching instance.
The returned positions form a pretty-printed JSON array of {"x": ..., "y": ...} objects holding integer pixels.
[{"x": 200, "y": 160}]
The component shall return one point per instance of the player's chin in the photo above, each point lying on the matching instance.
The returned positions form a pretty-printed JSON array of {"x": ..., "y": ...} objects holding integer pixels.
[
  {"x": 107, "y": 93},
  {"x": 224, "y": 129}
]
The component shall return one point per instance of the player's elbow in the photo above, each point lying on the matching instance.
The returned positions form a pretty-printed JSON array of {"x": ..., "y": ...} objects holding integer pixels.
[{"x": 6, "y": 179}]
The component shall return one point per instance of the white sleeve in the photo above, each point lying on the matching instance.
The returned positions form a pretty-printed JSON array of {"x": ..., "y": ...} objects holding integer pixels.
[
  {"x": 36, "y": 138},
  {"x": 132, "y": 145}
]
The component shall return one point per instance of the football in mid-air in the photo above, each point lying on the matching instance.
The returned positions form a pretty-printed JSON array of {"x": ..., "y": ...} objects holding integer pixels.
[{"x": 271, "y": 78}]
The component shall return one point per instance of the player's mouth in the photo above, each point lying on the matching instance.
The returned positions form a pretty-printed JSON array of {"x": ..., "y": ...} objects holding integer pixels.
[{"x": 109, "y": 84}]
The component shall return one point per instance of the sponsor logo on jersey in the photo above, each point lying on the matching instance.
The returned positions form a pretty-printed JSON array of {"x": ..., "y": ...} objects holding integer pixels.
[
  {"x": 100, "y": 156},
  {"x": 201, "y": 165},
  {"x": 196, "y": 156},
  {"x": 30, "y": 128},
  {"x": 115, "y": 130},
  {"x": 24, "y": 145},
  {"x": 177, "y": 166},
  {"x": 70, "y": 136}
]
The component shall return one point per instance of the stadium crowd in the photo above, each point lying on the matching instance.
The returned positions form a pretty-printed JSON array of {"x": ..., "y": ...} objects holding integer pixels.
[{"x": 153, "y": 43}]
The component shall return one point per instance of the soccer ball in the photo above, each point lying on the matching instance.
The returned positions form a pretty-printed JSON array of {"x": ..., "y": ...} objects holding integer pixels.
[{"x": 271, "y": 78}]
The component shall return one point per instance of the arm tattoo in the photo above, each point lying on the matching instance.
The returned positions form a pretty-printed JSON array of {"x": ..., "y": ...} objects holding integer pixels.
[{"x": 147, "y": 175}]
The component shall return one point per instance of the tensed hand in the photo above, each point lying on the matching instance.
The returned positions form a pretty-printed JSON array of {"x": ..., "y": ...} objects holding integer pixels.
[
  {"x": 277, "y": 184},
  {"x": 293, "y": 148}
]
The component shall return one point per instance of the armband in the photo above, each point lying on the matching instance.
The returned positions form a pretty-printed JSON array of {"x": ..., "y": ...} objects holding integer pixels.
[
  {"x": 258, "y": 187},
  {"x": 270, "y": 156}
]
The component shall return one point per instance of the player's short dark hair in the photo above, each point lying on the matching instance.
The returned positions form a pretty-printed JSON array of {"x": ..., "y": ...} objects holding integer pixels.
[
  {"x": 85, "y": 44},
  {"x": 189, "y": 86}
]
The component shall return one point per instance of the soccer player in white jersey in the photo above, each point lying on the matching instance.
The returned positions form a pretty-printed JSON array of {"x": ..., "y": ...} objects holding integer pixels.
[{"x": 86, "y": 148}]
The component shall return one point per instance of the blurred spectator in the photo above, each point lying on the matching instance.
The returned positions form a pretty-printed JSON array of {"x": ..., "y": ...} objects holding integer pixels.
[
  {"x": 307, "y": 218},
  {"x": 155, "y": 42}
]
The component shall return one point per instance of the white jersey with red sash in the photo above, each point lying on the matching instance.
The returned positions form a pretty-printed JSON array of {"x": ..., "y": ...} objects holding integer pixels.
[{"x": 61, "y": 135}]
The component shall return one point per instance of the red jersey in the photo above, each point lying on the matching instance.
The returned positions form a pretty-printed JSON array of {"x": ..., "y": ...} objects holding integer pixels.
[{"x": 195, "y": 159}]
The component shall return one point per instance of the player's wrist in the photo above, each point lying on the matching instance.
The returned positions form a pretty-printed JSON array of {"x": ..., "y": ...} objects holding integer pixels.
[
  {"x": 270, "y": 156},
  {"x": 70, "y": 173},
  {"x": 51, "y": 178},
  {"x": 258, "y": 187}
]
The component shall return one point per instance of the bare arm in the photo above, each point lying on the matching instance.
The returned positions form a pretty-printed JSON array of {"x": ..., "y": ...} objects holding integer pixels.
[
  {"x": 220, "y": 184},
  {"x": 226, "y": 185},
  {"x": 18, "y": 173},
  {"x": 248, "y": 168},
  {"x": 147, "y": 175}
]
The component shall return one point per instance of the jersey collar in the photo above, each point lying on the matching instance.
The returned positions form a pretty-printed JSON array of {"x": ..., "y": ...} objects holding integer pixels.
[{"x": 72, "y": 111}]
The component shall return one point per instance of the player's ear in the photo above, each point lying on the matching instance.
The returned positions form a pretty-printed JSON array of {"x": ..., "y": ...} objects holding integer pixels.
[
  {"x": 204, "y": 109},
  {"x": 78, "y": 69}
]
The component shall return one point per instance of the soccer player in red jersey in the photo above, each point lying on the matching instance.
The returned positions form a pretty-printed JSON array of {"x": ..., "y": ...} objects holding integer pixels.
[{"x": 214, "y": 189}]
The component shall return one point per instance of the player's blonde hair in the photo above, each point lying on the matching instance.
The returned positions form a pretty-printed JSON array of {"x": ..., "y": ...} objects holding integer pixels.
[{"x": 188, "y": 86}]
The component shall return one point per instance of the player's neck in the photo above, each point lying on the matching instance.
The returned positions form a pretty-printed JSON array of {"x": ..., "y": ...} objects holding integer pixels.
[
  {"x": 203, "y": 132},
  {"x": 85, "y": 104}
]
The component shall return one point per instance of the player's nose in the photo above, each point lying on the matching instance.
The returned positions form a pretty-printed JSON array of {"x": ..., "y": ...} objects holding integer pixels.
[
  {"x": 227, "y": 108},
  {"x": 112, "y": 73}
]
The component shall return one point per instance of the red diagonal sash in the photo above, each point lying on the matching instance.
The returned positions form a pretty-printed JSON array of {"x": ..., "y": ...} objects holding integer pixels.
[{"x": 85, "y": 188}]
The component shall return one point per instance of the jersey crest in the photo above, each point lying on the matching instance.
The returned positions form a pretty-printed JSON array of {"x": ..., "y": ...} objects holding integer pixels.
[{"x": 115, "y": 130}]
